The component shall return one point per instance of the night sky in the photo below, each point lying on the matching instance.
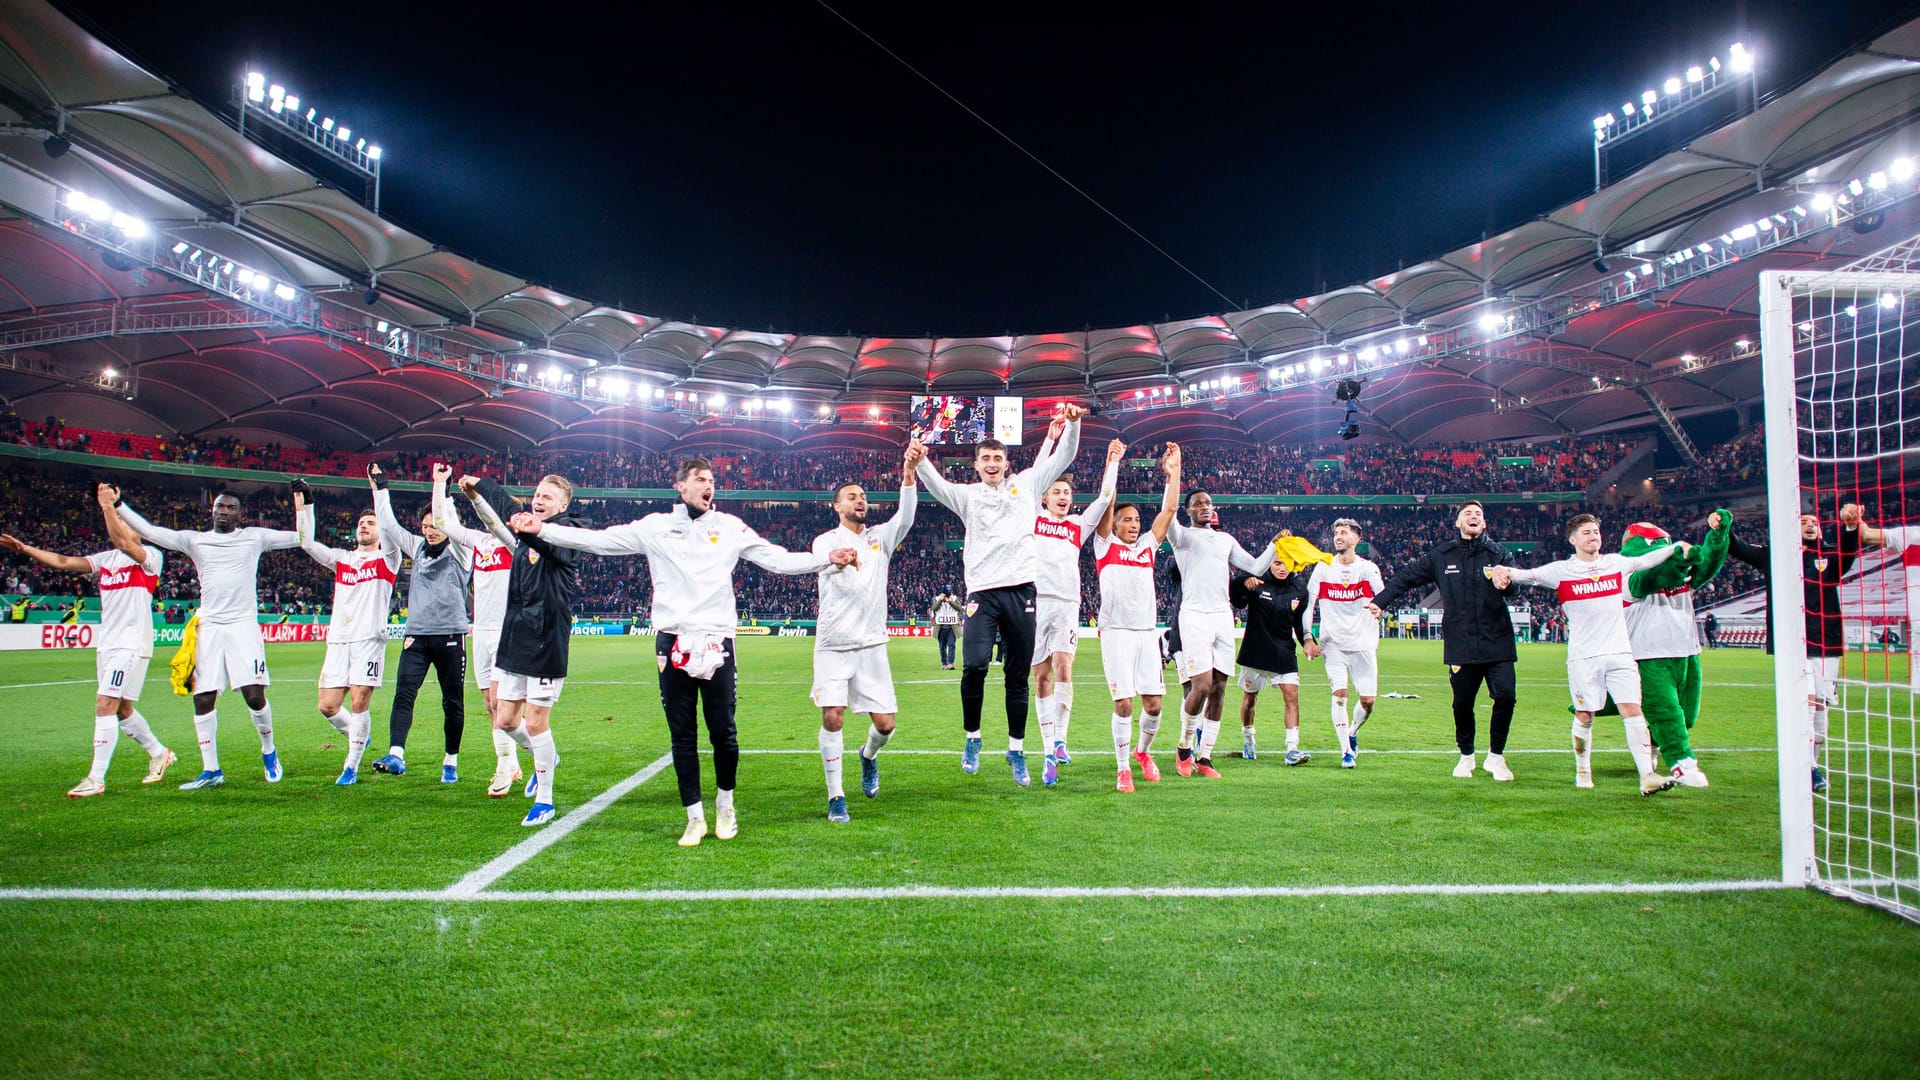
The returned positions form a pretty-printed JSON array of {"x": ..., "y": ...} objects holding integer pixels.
[{"x": 764, "y": 165}]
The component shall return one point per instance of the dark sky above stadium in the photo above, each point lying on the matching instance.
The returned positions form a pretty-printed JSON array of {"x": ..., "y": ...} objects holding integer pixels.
[{"x": 765, "y": 165}]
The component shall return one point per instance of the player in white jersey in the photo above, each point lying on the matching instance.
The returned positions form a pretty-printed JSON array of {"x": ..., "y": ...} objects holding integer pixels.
[
  {"x": 850, "y": 669},
  {"x": 1058, "y": 534},
  {"x": 1592, "y": 587},
  {"x": 230, "y": 653},
  {"x": 1207, "y": 648},
  {"x": 1904, "y": 541},
  {"x": 128, "y": 574},
  {"x": 1129, "y": 623},
  {"x": 492, "y": 570},
  {"x": 1349, "y": 637},
  {"x": 356, "y": 660}
]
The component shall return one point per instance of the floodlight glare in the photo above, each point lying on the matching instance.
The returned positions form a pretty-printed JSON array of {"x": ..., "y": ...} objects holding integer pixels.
[
  {"x": 1856, "y": 187},
  {"x": 824, "y": 410},
  {"x": 1877, "y": 181},
  {"x": 1672, "y": 87},
  {"x": 284, "y": 292},
  {"x": 344, "y": 133},
  {"x": 245, "y": 276},
  {"x": 373, "y": 152},
  {"x": 293, "y": 103},
  {"x": 1649, "y": 99},
  {"x": 1694, "y": 74},
  {"x": 1739, "y": 59},
  {"x": 326, "y": 124},
  {"x": 276, "y": 92},
  {"x": 1889, "y": 301},
  {"x": 1901, "y": 168}
]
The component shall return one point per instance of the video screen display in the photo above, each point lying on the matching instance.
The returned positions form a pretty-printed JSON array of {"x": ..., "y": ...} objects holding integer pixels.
[{"x": 957, "y": 420}]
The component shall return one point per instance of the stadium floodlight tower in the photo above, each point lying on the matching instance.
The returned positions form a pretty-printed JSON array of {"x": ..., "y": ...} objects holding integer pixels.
[
  {"x": 1699, "y": 84},
  {"x": 282, "y": 111},
  {"x": 1840, "y": 358}
]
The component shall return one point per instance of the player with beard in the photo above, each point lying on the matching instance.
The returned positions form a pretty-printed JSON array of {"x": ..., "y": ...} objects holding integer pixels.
[
  {"x": 231, "y": 653},
  {"x": 1129, "y": 623},
  {"x": 1207, "y": 558},
  {"x": 1058, "y": 535},
  {"x": 1349, "y": 636}
]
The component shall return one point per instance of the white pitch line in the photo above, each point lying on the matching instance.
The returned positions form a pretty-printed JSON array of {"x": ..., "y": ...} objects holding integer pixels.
[
  {"x": 893, "y": 892},
  {"x": 1329, "y": 752},
  {"x": 30, "y": 685},
  {"x": 552, "y": 834}
]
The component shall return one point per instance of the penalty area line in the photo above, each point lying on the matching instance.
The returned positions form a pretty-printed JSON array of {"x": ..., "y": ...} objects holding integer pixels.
[
  {"x": 548, "y": 836},
  {"x": 895, "y": 892}
]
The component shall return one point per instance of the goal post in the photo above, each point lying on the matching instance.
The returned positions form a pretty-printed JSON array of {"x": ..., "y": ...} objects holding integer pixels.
[{"x": 1840, "y": 359}]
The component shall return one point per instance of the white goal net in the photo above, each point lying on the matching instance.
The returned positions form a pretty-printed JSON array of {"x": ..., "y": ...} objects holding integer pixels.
[{"x": 1841, "y": 360}]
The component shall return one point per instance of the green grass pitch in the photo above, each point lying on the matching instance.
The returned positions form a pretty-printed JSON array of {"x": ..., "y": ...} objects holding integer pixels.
[{"x": 780, "y": 983}]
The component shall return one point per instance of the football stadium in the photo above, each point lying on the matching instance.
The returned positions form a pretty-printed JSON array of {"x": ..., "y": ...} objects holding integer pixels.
[{"x": 1506, "y": 653}]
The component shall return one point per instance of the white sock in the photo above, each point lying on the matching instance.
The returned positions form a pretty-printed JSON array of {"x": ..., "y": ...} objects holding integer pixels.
[
  {"x": 1047, "y": 725},
  {"x": 1361, "y": 711},
  {"x": 503, "y": 747},
  {"x": 1293, "y": 738},
  {"x": 359, "y": 729},
  {"x": 1819, "y": 715},
  {"x": 1063, "y": 706},
  {"x": 1016, "y": 744},
  {"x": 263, "y": 723},
  {"x": 1582, "y": 735},
  {"x": 1341, "y": 727},
  {"x": 451, "y": 759},
  {"x": 696, "y": 812},
  {"x": 544, "y": 758},
  {"x": 875, "y": 740},
  {"x": 1209, "y": 734},
  {"x": 105, "y": 734},
  {"x": 1188, "y": 723},
  {"x": 1122, "y": 741},
  {"x": 831, "y": 745},
  {"x": 723, "y": 799},
  {"x": 1149, "y": 727},
  {"x": 206, "y": 727},
  {"x": 518, "y": 733},
  {"x": 1640, "y": 742},
  {"x": 342, "y": 722},
  {"x": 139, "y": 731},
  {"x": 396, "y": 751}
]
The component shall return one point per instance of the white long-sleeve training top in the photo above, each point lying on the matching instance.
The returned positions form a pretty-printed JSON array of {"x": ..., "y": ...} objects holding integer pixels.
[
  {"x": 1204, "y": 556},
  {"x": 999, "y": 548},
  {"x": 853, "y": 601},
  {"x": 228, "y": 563},
  {"x": 1593, "y": 594},
  {"x": 691, "y": 562}
]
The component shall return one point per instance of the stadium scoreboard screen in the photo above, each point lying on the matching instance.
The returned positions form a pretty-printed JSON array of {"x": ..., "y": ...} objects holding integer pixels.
[{"x": 956, "y": 420}]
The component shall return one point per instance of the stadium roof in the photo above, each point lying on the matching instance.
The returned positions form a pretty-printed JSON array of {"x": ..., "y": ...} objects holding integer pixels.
[{"x": 1595, "y": 356}]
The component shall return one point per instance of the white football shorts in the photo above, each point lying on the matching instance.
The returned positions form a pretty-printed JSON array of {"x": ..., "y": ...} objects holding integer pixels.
[
  {"x": 1593, "y": 679},
  {"x": 860, "y": 680},
  {"x": 120, "y": 672},
  {"x": 534, "y": 691},
  {"x": 1360, "y": 667},
  {"x": 229, "y": 656},
  {"x": 1131, "y": 661},
  {"x": 1054, "y": 625},
  {"x": 354, "y": 663},
  {"x": 486, "y": 644},
  {"x": 1206, "y": 642}
]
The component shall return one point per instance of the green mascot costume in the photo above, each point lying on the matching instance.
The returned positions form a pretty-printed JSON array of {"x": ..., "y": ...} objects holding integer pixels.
[{"x": 1665, "y": 642}]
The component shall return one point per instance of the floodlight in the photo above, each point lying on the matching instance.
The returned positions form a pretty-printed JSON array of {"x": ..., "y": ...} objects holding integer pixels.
[
  {"x": 1901, "y": 168},
  {"x": 1889, "y": 301},
  {"x": 245, "y": 276},
  {"x": 824, "y": 410},
  {"x": 1694, "y": 74},
  {"x": 1649, "y": 98},
  {"x": 179, "y": 247},
  {"x": 344, "y": 133},
  {"x": 1672, "y": 87},
  {"x": 326, "y": 124},
  {"x": 1739, "y": 59},
  {"x": 1877, "y": 181},
  {"x": 283, "y": 291},
  {"x": 373, "y": 152}
]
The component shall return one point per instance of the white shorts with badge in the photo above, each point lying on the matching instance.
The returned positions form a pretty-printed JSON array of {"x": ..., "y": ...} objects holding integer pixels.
[
  {"x": 120, "y": 672},
  {"x": 1131, "y": 661},
  {"x": 1595, "y": 678},
  {"x": 229, "y": 656},
  {"x": 1253, "y": 680},
  {"x": 354, "y": 663},
  {"x": 1054, "y": 626},
  {"x": 859, "y": 680},
  {"x": 1206, "y": 643},
  {"x": 534, "y": 691},
  {"x": 486, "y": 645},
  {"x": 1361, "y": 667},
  {"x": 1821, "y": 674}
]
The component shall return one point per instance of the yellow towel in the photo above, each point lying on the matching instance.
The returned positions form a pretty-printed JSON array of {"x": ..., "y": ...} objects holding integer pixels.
[
  {"x": 180, "y": 671},
  {"x": 1298, "y": 553}
]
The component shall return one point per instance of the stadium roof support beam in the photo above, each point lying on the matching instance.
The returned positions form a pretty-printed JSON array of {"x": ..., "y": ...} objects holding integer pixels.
[{"x": 1670, "y": 424}]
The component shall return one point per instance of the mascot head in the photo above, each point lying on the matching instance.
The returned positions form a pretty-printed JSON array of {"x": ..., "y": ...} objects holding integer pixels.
[{"x": 1642, "y": 537}]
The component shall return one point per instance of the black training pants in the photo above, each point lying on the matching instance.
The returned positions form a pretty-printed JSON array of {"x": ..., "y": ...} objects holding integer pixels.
[
  {"x": 1009, "y": 612},
  {"x": 447, "y": 655},
  {"x": 1466, "y": 688},
  {"x": 946, "y": 645},
  {"x": 680, "y": 694}
]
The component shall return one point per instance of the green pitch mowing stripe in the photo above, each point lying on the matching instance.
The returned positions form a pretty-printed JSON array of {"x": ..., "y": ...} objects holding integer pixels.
[{"x": 1734, "y": 985}]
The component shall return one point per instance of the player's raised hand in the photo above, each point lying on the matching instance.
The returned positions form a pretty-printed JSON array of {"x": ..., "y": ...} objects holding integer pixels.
[
  {"x": 844, "y": 557},
  {"x": 106, "y": 495},
  {"x": 1072, "y": 413},
  {"x": 375, "y": 476},
  {"x": 525, "y": 522},
  {"x": 471, "y": 485},
  {"x": 442, "y": 472},
  {"x": 1850, "y": 515},
  {"x": 916, "y": 453},
  {"x": 12, "y": 543},
  {"x": 1115, "y": 451},
  {"x": 1170, "y": 461},
  {"x": 301, "y": 493},
  {"x": 1057, "y": 428}
]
